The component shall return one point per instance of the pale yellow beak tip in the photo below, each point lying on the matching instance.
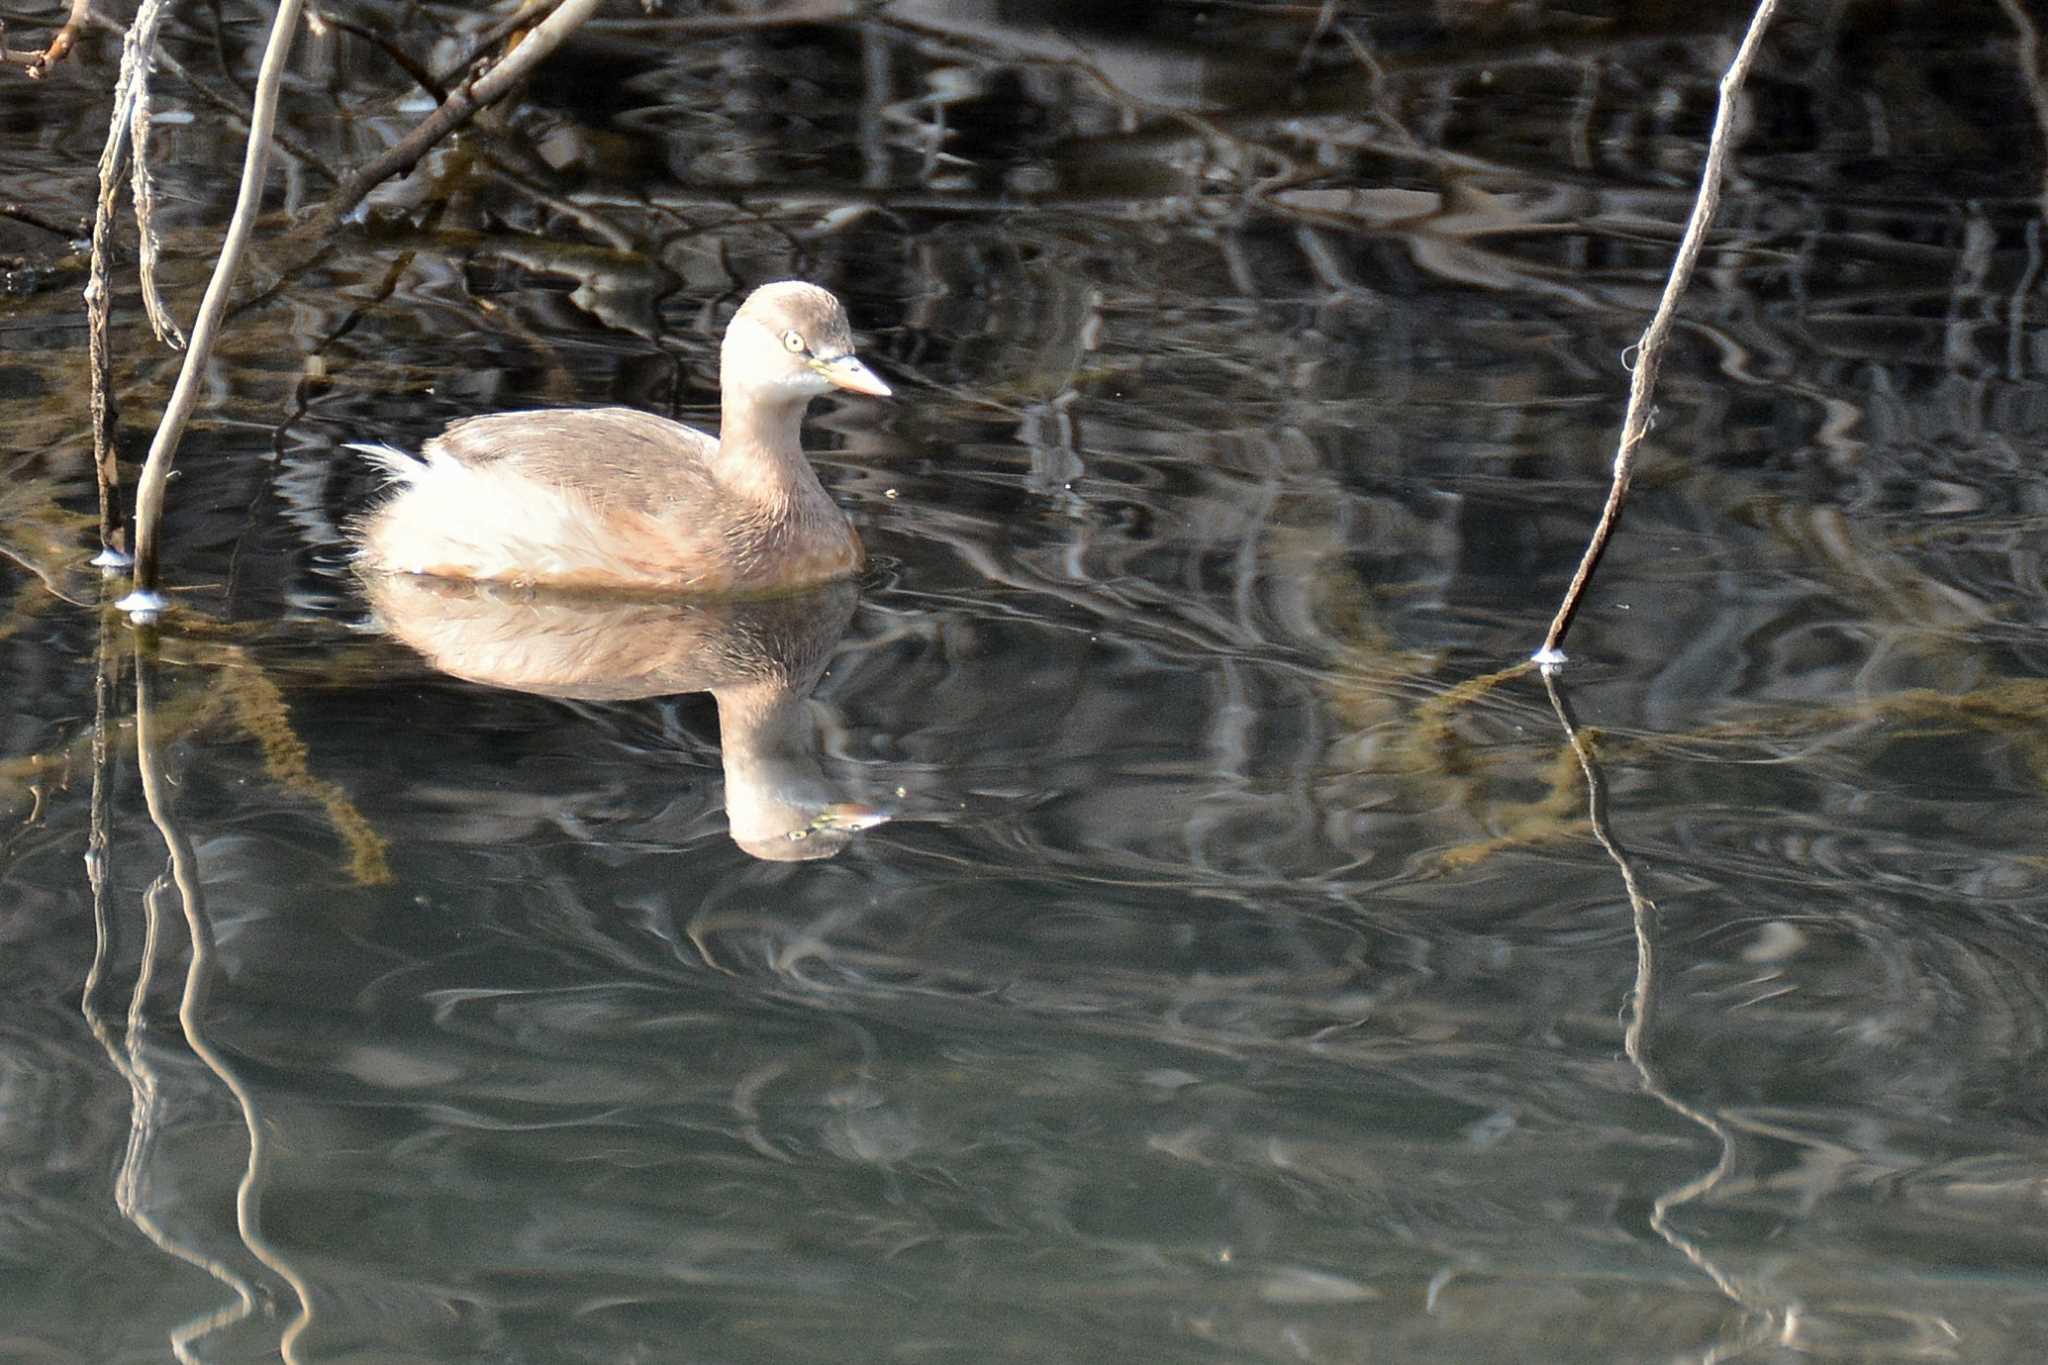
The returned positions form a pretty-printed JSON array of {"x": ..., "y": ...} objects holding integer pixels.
[{"x": 849, "y": 374}]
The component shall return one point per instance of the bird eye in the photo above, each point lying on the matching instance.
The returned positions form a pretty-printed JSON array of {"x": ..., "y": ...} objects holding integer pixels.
[{"x": 793, "y": 339}]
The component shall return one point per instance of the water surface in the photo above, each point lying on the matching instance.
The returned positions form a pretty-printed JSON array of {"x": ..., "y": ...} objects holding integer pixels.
[{"x": 1240, "y": 977}]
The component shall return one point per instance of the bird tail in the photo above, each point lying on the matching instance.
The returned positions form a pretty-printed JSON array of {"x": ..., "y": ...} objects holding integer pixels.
[{"x": 399, "y": 466}]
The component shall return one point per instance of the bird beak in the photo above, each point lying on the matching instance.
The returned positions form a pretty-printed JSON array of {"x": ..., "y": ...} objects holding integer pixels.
[{"x": 847, "y": 372}]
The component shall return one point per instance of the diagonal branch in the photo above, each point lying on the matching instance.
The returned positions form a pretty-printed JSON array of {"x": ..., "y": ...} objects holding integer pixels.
[
  {"x": 1650, "y": 352},
  {"x": 464, "y": 103}
]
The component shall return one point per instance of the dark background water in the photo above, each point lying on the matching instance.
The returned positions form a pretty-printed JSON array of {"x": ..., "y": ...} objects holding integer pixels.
[{"x": 1240, "y": 978}]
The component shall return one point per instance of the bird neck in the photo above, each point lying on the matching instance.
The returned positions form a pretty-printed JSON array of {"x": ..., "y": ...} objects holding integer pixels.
[{"x": 760, "y": 445}]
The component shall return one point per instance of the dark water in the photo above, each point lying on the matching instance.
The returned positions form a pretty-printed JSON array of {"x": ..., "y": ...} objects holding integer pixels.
[{"x": 1240, "y": 977}]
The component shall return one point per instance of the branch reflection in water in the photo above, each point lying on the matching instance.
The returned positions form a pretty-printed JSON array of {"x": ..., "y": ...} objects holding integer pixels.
[
  {"x": 1762, "y": 1318},
  {"x": 158, "y": 1075},
  {"x": 759, "y": 659}
]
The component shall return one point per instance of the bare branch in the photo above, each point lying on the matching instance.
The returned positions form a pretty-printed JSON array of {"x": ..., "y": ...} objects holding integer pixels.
[
  {"x": 480, "y": 47},
  {"x": 149, "y": 247},
  {"x": 36, "y": 65},
  {"x": 135, "y": 45},
  {"x": 21, "y": 213},
  {"x": 1650, "y": 354},
  {"x": 462, "y": 105},
  {"x": 156, "y": 472}
]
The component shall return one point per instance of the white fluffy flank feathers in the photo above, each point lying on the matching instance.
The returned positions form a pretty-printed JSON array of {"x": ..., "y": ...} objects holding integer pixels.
[
  {"x": 399, "y": 466},
  {"x": 456, "y": 521}
]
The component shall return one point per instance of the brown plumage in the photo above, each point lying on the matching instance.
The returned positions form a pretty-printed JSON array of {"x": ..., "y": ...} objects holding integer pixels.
[{"x": 614, "y": 498}]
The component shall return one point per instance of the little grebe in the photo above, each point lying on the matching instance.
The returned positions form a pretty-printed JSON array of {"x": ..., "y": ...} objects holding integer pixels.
[{"x": 614, "y": 498}]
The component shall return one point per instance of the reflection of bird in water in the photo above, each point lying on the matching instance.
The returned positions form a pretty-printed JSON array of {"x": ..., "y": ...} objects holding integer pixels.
[
  {"x": 758, "y": 659},
  {"x": 613, "y": 498}
]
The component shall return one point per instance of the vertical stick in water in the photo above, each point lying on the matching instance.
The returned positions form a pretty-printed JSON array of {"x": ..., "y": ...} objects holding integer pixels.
[
  {"x": 136, "y": 50},
  {"x": 1650, "y": 352},
  {"x": 156, "y": 471}
]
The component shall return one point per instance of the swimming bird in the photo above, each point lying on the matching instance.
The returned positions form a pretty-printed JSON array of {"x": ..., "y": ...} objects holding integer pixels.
[{"x": 614, "y": 498}]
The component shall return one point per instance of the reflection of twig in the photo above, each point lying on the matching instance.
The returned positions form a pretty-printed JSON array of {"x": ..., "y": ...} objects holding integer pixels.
[
  {"x": 156, "y": 471},
  {"x": 1377, "y": 76},
  {"x": 314, "y": 373},
  {"x": 2029, "y": 55},
  {"x": 462, "y": 105},
  {"x": 1650, "y": 354},
  {"x": 132, "y": 1060},
  {"x": 596, "y": 224},
  {"x": 220, "y": 51},
  {"x": 131, "y": 1185},
  {"x": 188, "y": 79},
  {"x": 99, "y": 830},
  {"x": 393, "y": 53},
  {"x": 1635, "y": 1041},
  {"x": 199, "y": 974},
  {"x": 481, "y": 45},
  {"x": 1306, "y": 60},
  {"x": 791, "y": 14}
]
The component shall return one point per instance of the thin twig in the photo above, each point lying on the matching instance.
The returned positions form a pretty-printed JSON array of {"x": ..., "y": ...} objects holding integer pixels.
[
  {"x": 310, "y": 160},
  {"x": 480, "y": 47},
  {"x": 1650, "y": 352},
  {"x": 21, "y": 214},
  {"x": 139, "y": 41},
  {"x": 462, "y": 105},
  {"x": 156, "y": 471},
  {"x": 149, "y": 248},
  {"x": 36, "y": 65}
]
